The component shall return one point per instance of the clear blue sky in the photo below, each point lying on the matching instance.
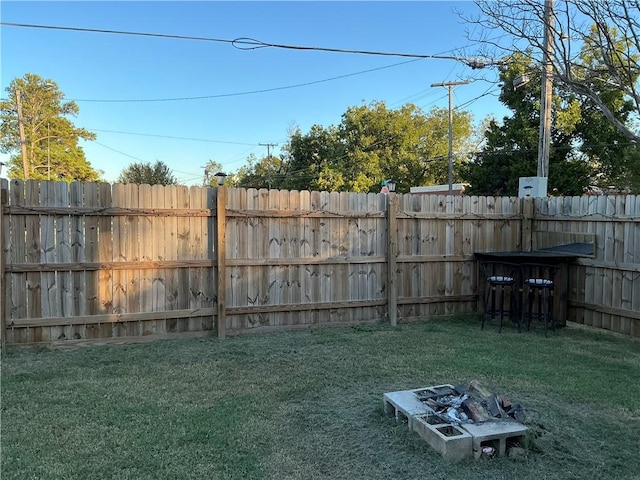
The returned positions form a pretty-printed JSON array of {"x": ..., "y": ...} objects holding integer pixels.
[{"x": 254, "y": 103}]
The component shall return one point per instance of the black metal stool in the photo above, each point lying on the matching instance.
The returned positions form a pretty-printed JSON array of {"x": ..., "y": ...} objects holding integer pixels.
[
  {"x": 501, "y": 278},
  {"x": 538, "y": 282}
]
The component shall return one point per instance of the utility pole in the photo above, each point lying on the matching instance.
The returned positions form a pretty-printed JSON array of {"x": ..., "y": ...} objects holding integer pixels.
[
  {"x": 547, "y": 91},
  {"x": 268, "y": 145},
  {"x": 450, "y": 85},
  {"x": 23, "y": 142}
]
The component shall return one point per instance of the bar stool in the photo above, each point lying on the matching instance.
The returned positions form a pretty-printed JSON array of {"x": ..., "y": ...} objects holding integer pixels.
[
  {"x": 538, "y": 282},
  {"x": 502, "y": 278}
]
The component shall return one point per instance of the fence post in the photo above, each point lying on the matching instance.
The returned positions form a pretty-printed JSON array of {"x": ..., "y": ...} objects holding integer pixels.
[
  {"x": 3, "y": 316},
  {"x": 221, "y": 220},
  {"x": 526, "y": 235},
  {"x": 392, "y": 253}
]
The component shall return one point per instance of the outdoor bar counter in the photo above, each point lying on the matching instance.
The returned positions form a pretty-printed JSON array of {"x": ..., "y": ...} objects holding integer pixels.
[{"x": 559, "y": 256}]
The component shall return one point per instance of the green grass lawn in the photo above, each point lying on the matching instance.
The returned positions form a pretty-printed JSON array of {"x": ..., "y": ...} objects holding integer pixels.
[{"x": 308, "y": 405}]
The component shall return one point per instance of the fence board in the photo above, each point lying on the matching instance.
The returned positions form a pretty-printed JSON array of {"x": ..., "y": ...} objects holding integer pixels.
[
  {"x": 119, "y": 292},
  {"x": 4, "y": 243},
  {"x": 181, "y": 275},
  {"x": 194, "y": 293},
  {"x": 171, "y": 251},
  {"x": 133, "y": 245},
  {"x": 40, "y": 299},
  {"x": 158, "y": 289},
  {"x": 147, "y": 239},
  {"x": 634, "y": 328}
]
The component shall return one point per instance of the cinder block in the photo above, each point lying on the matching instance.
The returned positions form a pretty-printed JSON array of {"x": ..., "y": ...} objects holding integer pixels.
[
  {"x": 496, "y": 434},
  {"x": 404, "y": 404},
  {"x": 448, "y": 440}
]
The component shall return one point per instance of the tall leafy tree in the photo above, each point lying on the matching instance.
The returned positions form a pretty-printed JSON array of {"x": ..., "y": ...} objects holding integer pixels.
[
  {"x": 309, "y": 158},
  {"x": 585, "y": 147},
  {"x": 146, "y": 173},
  {"x": 373, "y": 143},
  {"x": 51, "y": 139},
  {"x": 266, "y": 172},
  {"x": 404, "y": 144}
]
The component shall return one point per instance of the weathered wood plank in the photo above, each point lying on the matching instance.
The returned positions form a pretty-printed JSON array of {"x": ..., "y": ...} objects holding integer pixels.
[
  {"x": 171, "y": 251},
  {"x": 4, "y": 285},
  {"x": 78, "y": 250},
  {"x": 221, "y": 251},
  {"x": 146, "y": 239},
  {"x": 33, "y": 296},
  {"x": 392, "y": 253}
]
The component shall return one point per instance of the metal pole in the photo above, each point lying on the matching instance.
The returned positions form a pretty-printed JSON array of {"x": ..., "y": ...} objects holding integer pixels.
[
  {"x": 23, "y": 142},
  {"x": 450, "y": 85},
  {"x": 547, "y": 92}
]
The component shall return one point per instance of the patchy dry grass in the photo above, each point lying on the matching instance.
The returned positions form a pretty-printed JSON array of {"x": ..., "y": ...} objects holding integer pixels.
[{"x": 308, "y": 405}]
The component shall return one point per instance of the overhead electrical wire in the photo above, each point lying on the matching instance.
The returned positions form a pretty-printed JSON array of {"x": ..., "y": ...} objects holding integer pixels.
[
  {"x": 251, "y": 92},
  {"x": 174, "y": 138},
  {"x": 117, "y": 151},
  {"x": 489, "y": 91},
  {"x": 247, "y": 43}
]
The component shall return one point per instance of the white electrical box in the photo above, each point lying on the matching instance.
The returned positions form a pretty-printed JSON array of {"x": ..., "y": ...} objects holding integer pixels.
[{"x": 532, "y": 187}]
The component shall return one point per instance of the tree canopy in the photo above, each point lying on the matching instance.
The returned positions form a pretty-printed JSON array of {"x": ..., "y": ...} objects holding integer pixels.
[
  {"x": 146, "y": 173},
  {"x": 595, "y": 44},
  {"x": 51, "y": 139},
  {"x": 585, "y": 147},
  {"x": 372, "y": 143}
]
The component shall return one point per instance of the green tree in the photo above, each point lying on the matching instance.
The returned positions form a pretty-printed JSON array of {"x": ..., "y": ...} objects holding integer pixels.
[
  {"x": 583, "y": 142},
  {"x": 262, "y": 173},
  {"x": 51, "y": 139},
  {"x": 308, "y": 159},
  {"x": 145, "y": 173},
  {"x": 373, "y": 143}
]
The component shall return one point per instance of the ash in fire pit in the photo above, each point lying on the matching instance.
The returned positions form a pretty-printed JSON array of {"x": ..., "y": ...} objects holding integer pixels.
[{"x": 460, "y": 421}]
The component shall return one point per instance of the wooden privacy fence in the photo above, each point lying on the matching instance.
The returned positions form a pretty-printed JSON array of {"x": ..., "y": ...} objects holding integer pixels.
[
  {"x": 604, "y": 291},
  {"x": 88, "y": 261}
]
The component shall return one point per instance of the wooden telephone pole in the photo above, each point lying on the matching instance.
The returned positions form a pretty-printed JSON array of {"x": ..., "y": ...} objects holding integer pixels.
[
  {"x": 23, "y": 142},
  {"x": 547, "y": 91},
  {"x": 450, "y": 85}
]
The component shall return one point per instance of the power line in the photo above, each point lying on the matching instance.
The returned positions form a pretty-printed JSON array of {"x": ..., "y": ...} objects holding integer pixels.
[
  {"x": 173, "y": 137},
  {"x": 489, "y": 91},
  {"x": 251, "y": 92},
  {"x": 247, "y": 43},
  {"x": 118, "y": 151}
]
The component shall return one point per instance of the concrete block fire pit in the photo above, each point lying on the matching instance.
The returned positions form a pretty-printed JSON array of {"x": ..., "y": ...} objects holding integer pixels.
[{"x": 455, "y": 435}]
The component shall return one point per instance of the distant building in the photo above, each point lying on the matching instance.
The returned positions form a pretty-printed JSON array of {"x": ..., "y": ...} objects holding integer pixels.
[{"x": 456, "y": 188}]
